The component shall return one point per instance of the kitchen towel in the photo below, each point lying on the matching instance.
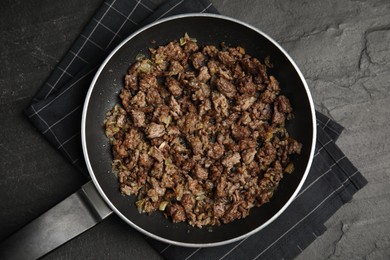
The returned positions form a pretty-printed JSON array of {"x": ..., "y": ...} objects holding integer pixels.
[{"x": 56, "y": 112}]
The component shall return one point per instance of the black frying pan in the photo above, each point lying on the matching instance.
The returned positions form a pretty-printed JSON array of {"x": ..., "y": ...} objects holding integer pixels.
[{"x": 207, "y": 29}]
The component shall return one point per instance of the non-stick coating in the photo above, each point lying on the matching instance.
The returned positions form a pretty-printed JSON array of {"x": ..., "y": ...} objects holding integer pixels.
[{"x": 103, "y": 96}]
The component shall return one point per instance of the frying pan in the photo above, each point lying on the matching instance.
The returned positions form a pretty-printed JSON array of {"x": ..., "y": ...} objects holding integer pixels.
[{"x": 103, "y": 95}]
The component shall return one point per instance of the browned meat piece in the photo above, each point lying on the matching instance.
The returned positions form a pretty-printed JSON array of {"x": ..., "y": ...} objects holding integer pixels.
[
  {"x": 237, "y": 52},
  {"x": 226, "y": 58},
  {"x": 188, "y": 165},
  {"x": 262, "y": 77},
  {"x": 215, "y": 171},
  {"x": 189, "y": 44},
  {"x": 232, "y": 146},
  {"x": 247, "y": 143},
  {"x": 220, "y": 103},
  {"x": 221, "y": 185},
  {"x": 172, "y": 51},
  {"x": 187, "y": 105},
  {"x": 219, "y": 208},
  {"x": 216, "y": 151},
  {"x": 204, "y": 107},
  {"x": 244, "y": 102},
  {"x": 190, "y": 123},
  {"x": 266, "y": 155},
  {"x": 138, "y": 118},
  {"x": 147, "y": 81},
  {"x": 246, "y": 85},
  {"x": 178, "y": 146},
  {"x": 273, "y": 85},
  {"x": 164, "y": 92},
  {"x": 132, "y": 139},
  {"x": 231, "y": 214},
  {"x": 157, "y": 170},
  {"x": 231, "y": 160},
  {"x": 294, "y": 147},
  {"x": 204, "y": 75},
  {"x": 289, "y": 146},
  {"x": 213, "y": 66},
  {"x": 131, "y": 80},
  {"x": 167, "y": 182},
  {"x": 196, "y": 145},
  {"x": 224, "y": 138},
  {"x": 173, "y": 86},
  {"x": 192, "y": 83},
  {"x": 232, "y": 118},
  {"x": 119, "y": 151},
  {"x": 153, "y": 97},
  {"x": 240, "y": 132},
  {"x": 161, "y": 115},
  {"x": 225, "y": 73},
  {"x": 186, "y": 76},
  {"x": 245, "y": 118},
  {"x": 284, "y": 105},
  {"x": 154, "y": 130},
  {"x": 175, "y": 68},
  {"x": 177, "y": 213},
  {"x": 200, "y": 134},
  {"x": 278, "y": 117},
  {"x": 251, "y": 65},
  {"x": 125, "y": 97},
  {"x": 200, "y": 172},
  {"x": 194, "y": 186},
  {"x": 197, "y": 59},
  {"x": 173, "y": 131},
  {"x": 188, "y": 202},
  {"x": 226, "y": 87},
  {"x": 139, "y": 100},
  {"x": 121, "y": 121},
  {"x": 262, "y": 111},
  {"x": 149, "y": 207},
  {"x": 210, "y": 50},
  {"x": 145, "y": 161},
  {"x": 202, "y": 93},
  {"x": 248, "y": 155},
  {"x": 268, "y": 96}
]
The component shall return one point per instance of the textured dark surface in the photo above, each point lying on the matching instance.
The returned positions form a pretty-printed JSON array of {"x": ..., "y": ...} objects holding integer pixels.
[{"x": 341, "y": 47}]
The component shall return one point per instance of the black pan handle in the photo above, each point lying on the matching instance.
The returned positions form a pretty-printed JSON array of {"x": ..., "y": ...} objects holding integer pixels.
[{"x": 71, "y": 217}]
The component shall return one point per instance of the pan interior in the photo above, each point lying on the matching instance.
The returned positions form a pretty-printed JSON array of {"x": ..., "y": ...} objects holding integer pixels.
[{"x": 103, "y": 96}]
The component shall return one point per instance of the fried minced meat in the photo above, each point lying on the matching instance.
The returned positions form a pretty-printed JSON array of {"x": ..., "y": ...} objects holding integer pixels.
[{"x": 200, "y": 133}]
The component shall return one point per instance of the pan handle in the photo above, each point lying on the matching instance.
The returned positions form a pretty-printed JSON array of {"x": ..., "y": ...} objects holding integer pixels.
[{"x": 71, "y": 217}]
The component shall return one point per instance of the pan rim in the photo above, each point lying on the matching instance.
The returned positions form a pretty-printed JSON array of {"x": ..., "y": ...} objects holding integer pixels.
[{"x": 140, "y": 229}]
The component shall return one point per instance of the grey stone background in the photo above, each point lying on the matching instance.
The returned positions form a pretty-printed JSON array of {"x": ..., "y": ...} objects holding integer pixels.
[{"x": 342, "y": 48}]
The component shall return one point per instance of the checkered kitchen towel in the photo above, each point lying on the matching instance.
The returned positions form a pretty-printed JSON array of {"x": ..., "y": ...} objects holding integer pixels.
[{"x": 57, "y": 107}]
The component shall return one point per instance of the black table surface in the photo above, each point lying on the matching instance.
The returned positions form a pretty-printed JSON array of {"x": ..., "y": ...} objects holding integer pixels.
[{"x": 342, "y": 48}]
